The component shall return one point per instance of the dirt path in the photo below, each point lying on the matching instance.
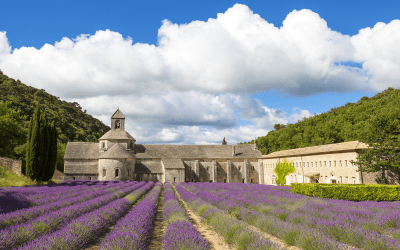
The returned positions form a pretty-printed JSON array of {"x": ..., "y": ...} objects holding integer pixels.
[
  {"x": 214, "y": 240},
  {"x": 159, "y": 227}
]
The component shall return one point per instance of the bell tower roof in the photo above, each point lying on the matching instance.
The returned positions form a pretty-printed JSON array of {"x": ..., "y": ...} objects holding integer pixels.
[{"x": 118, "y": 115}]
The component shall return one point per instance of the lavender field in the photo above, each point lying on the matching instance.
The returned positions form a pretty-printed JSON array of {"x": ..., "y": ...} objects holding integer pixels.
[{"x": 121, "y": 215}]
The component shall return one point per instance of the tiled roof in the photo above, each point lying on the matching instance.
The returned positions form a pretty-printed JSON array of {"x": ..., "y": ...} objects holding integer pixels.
[
  {"x": 195, "y": 151},
  {"x": 116, "y": 134},
  {"x": 149, "y": 167},
  {"x": 330, "y": 148},
  {"x": 118, "y": 115},
  {"x": 116, "y": 152},
  {"x": 173, "y": 163},
  {"x": 82, "y": 150}
]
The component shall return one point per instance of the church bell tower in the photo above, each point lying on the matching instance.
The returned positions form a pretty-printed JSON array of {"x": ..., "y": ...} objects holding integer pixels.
[{"x": 118, "y": 120}]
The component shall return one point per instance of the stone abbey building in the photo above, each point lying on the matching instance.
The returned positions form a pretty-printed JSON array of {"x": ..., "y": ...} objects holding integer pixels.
[{"x": 117, "y": 157}]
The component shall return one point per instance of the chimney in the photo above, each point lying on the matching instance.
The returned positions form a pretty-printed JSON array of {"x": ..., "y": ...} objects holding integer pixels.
[{"x": 233, "y": 150}]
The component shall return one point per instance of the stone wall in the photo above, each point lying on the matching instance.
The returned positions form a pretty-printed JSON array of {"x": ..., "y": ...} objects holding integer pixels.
[
  {"x": 177, "y": 175},
  {"x": 109, "y": 167},
  {"x": 81, "y": 177},
  {"x": 13, "y": 165}
]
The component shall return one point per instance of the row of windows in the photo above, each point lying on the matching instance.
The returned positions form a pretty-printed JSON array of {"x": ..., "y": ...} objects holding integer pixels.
[
  {"x": 322, "y": 179},
  {"x": 297, "y": 165},
  {"x": 116, "y": 172}
]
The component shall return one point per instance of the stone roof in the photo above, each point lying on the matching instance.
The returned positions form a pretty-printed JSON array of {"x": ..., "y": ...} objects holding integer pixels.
[
  {"x": 330, "y": 148},
  {"x": 195, "y": 151},
  {"x": 173, "y": 163},
  {"x": 118, "y": 115},
  {"x": 80, "y": 168},
  {"x": 82, "y": 150},
  {"x": 117, "y": 134},
  {"x": 149, "y": 167},
  {"x": 116, "y": 152}
]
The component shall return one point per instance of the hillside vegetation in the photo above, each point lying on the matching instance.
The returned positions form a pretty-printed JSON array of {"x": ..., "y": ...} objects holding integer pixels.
[
  {"x": 342, "y": 124},
  {"x": 19, "y": 100},
  {"x": 9, "y": 179}
]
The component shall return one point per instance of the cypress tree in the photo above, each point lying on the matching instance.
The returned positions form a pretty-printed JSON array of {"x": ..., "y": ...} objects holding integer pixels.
[
  {"x": 28, "y": 151},
  {"x": 32, "y": 162},
  {"x": 52, "y": 152},
  {"x": 45, "y": 142}
]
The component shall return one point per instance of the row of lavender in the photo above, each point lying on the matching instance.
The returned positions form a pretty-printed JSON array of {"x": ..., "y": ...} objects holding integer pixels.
[
  {"x": 49, "y": 222},
  {"x": 234, "y": 231},
  {"x": 324, "y": 222},
  {"x": 180, "y": 232},
  {"x": 80, "y": 232},
  {"x": 26, "y": 214},
  {"x": 23, "y": 197}
]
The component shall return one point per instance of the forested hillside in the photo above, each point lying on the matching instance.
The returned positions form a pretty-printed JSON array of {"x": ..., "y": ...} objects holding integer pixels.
[
  {"x": 342, "y": 124},
  {"x": 18, "y": 101}
]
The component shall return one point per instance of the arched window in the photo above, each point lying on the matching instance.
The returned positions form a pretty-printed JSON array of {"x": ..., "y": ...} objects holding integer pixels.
[
  {"x": 117, "y": 124},
  {"x": 239, "y": 168},
  {"x": 103, "y": 144},
  {"x": 104, "y": 172},
  {"x": 175, "y": 178},
  {"x": 116, "y": 172},
  {"x": 273, "y": 179}
]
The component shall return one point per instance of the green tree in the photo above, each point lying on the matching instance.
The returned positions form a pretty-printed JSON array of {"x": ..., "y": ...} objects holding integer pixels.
[
  {"x": 383, "y": 135},
  {"x": 60, "y": 156},
  {"x": 34, "y": 144},
  {"x": 11, "y": 132},
  {"x": 224, "y": 142},
  {"x": 52, "y": 153},
  {"x": 282, "y": 170}
]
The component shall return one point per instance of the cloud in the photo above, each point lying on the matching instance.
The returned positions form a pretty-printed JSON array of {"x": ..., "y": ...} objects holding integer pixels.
[{"x": 196, "y": 83}]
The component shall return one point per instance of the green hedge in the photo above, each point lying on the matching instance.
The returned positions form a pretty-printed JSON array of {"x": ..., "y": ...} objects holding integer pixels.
[{"x": 350, "y": 192}]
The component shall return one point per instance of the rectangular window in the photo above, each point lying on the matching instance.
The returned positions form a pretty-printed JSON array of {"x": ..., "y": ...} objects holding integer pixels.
[
  {"x": 335, "y": 164},
  {"x": 104, "y": 173},
  {"x": 316, "y": 164},
  {"x": 325, "y": 163},
  {"x": 330, "y": 164},
  {"x": 345, "y": 162},
  {"x": 311, "y": 164},
  {"x": 354, "y": 180},
  {"x": 340, "y": 162},
  {"x": 320, "y": 164}
]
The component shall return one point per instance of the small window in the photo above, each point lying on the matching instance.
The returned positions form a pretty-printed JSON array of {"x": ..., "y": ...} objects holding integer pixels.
[
  {"x": 210, "y": 181},
  {"x": 192, "y": 180},
  {"x": 175, "y": 177},
  {"x": 224, "y": 180},
  {"x": 116, "y": 172},
  {"x": 335, "y": 164},
  {"x": 330, "y": 164},
  {"x": 104, "y": 173},
  {"x": 90, "y": 178},
  {"x": 325, "y": 163},
  {"x": 103, "y": 144},
  {"x": 208, "y": 168},
  {"x": 251, "y": 180},
  {"x": 345, "y": 162},
  {"x": 311, "y": 164},
  {"x": 239, "y": 168},
  {"x": 242, "y": 180},
  {"x": 73, "y": 178}
]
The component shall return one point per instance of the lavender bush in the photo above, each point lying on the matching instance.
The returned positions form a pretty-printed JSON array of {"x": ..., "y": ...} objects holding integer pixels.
[
  {"x": 77, "y": 233},
  {"x": 234, "y": 232},
  {"x": 15, "y": 235},
  {"x": 180, "y": 233},
  {"x": 24, "y": 215},
  {"x": 135, "y": 229},
  {"x": 367, "y": 225}
]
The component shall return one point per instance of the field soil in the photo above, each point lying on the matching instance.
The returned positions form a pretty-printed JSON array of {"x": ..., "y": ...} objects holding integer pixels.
[{"x": 159, "y": 227}]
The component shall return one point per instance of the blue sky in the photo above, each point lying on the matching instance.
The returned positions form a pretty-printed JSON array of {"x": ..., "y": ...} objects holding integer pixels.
[{"x": 213, "y": 69}]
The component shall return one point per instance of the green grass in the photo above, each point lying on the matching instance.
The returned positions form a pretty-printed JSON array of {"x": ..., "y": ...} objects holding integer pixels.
[{"x": 9, "y": 179}]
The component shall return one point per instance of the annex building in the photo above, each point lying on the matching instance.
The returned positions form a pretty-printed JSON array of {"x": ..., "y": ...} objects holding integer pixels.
[{"x": 117, "y": 156}]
